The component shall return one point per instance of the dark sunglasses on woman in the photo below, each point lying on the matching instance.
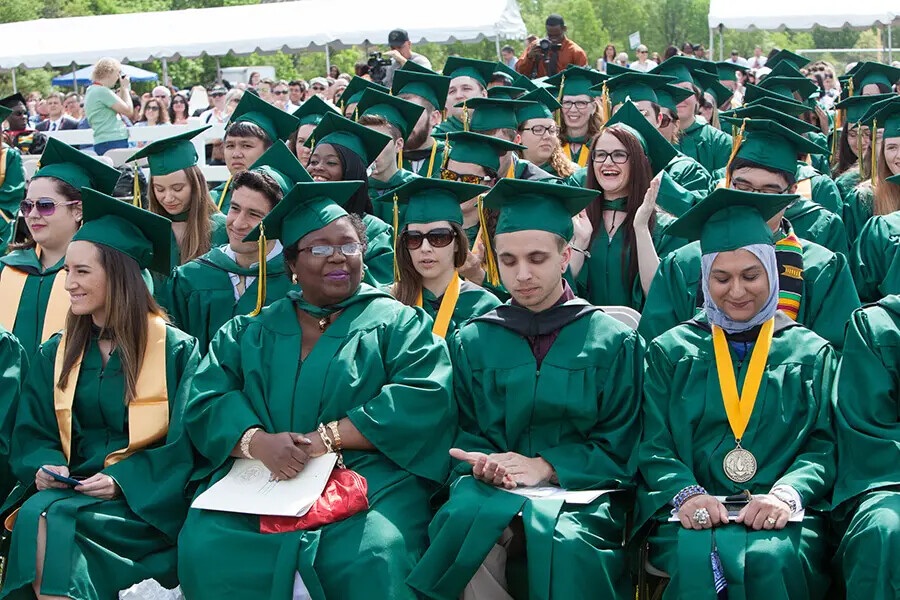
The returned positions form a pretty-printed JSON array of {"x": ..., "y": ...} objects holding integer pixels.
[
  {"x": 449, "y": 175},
  {"x": 437, "y": 238},
  {"x": 45, "y": 206}
]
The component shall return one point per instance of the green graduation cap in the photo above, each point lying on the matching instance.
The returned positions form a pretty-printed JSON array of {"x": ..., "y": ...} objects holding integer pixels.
[
  {"x": 312, "y": 110},
  {"x": 727, "y": 70},
  {"x": 307, "y": 207},
  {"x": 362, "y": 141},
  {"x": 886, "y": 115},
  {"x": 635, "y": 86},
  {"x": 782, "y": 105},
  {"x": 786, "y": 86},
  {"x": 76, "y": 168},
  {"x": 133, "y": 231},
  {"x": 657, "y": 148},
  {"x": 504, "y": 69},
  {"x": 541, "y": 105},
  {"x": 797, "y": 61},
  {"x": 492, "y": 113},
  {"x": 895, "y": 179},
  {"x": 857, "y": 107},
  {"x": 682, "y": 68},
  {"x": 753, "y": 92},
  {"x": 430, "y": 86},
  {"x": 170, "y": 154},
  {"x": 415, "y": 67},
  {"x": 532, "y": 205},
  {"x": 670, "y": 96},
  {"x": 479, "y": 70},
  {"x": 478, "y": 149},
  {"x": 5, "y": 111},
  {"x": 13, "y": 100},
  {"x": 874, "y": 72},
  {"x": 772, "y": 144},
  {"x": 612, "y": 69},
  {"x": 784, "y": 69},
  {"x": 710, "y": 83},
  {"x": 762, "y": 111},
  {"x": 277, "y": 124},
  {"x": 400, "y": 113},
  {"x": 729, "y": 219},
  {"x": 354, "y": 91},
  {"x": 428, "y": 200},
  {"x": 280, "y": 164},
  {"x": 577, "y": 81},
  {"x": 506, "y": 92}
]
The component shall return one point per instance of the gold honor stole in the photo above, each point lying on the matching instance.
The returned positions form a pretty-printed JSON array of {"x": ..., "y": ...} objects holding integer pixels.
[
  {"x": 581, "y": 160},
  {"x": 12, "y": 284},
  {"x": 448, "y": 305},
  {"x": 148, "y": 413}
]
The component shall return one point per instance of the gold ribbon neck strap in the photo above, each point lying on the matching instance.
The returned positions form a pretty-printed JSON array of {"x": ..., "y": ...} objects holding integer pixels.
[
  {"x": 148, "y": 413},
  {"x": 224, "y": 191},
  {"x": 582, "y": 158},
  {"x": 448, "y": 305},
  {"x": 740, "y": 409},
  {"x": 11, "y": 290}
]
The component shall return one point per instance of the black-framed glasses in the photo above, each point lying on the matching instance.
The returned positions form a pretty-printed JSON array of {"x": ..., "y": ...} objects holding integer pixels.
[
  {"x": 665, "y": 120},
  {"x": 325, "y": 251},
  {"x": 281, "y": 93},
  {"x": 618, "y": 157},
  {"x": 151, "y": 107},
  {"x": 449, "y": 175},
  {"x": 579, "y": 104},
  {"x": 440, "y": 237},
  {"x": 540, "y": 130},
  {"x": 45, "y": 206},
  {"x": 744, "y": 186}
]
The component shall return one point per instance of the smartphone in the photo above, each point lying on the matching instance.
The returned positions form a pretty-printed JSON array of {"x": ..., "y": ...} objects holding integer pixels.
[
  {"x": 734, "y": 504},
  {"x": 67, "y": 480}
]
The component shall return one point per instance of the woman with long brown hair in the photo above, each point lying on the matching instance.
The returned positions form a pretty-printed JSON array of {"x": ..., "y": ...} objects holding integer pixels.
[
  {"x": 582, "y": 114},
  {"x": 855, "y": 136},
  {"x": 430, "y": 249},
  {"x": 178, "y": 192},
  {"x": 540, "y": 135},
  {"x": 98, "y": 430},
  {"x": 620, "y": 236}
]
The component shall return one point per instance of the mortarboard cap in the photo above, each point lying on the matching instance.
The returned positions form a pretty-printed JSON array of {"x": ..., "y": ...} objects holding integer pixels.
[
  {"x": 362, "y": 141},
  {"x": 874, "y": 72},
  {"x": 170, "y": 154},
  {"x": 492, "y": 113},
  {"x": 670, "y": 96},
  {"x": 541, "y": 105},
  {"x": 772, "y": 144},
  {"x": 76, "y": 168},
  {"x": 532, "y": 205},
  {"x": 796, "y": 61},
  {"x": 478, "y": 149},
  {"x": 280, "y": 164},
  {"x": 312, "y": 110},
  {"x": 428, "y": 200},
  {"x": 479, "y": 70},
  {"x": 657, "y": 148},
  {"x": 400, "y": 113},
  {"x": 727, "y": 70},
  {"x": 857, "y": 107},
  {"x": 635, "y": 86},
  {"x": 430, "y": 86},
  {"x": 277, "y": 124},
  {"x": 354, "y": 91},
  {"x": 577, "y": 81}
]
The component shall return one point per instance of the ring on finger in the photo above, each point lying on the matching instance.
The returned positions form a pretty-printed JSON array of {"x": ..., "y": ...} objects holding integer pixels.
[
  {"x": 701, "y": 516},
  {"x": 771, "y": 520}
]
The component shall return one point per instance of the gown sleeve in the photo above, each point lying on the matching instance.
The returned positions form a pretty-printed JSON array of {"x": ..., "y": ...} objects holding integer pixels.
[
  {"x": 667, "y": 299},
  {"x": 379, "y": 256},
  {"x": 13, "y": 367},
  {"x": 826, "y": 193},
  {"x": 831, "y": 299},
  {"x": 869, "y": 259}
]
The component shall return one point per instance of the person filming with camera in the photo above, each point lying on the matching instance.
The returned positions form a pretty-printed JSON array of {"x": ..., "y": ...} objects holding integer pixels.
[
  {"x": 400, "y": 52},
  {"x": 551, "y": 54}
]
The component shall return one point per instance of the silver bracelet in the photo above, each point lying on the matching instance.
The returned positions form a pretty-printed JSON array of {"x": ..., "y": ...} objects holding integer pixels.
[
  {"x": 245, "y": 441},
  {"x": 580, "y": 251},
  {"x": 787, "y": 499}
]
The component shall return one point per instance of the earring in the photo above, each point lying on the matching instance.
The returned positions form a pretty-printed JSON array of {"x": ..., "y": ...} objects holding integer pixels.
[{"x": 294, "y": 279}]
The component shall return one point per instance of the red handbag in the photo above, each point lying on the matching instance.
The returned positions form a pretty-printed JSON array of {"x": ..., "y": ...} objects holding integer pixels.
[{"x": 345, "y": 494}]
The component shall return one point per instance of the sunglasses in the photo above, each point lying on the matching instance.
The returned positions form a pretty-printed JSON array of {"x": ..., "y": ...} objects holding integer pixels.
[
  {"x": 437, "y": 238},
  {"x": 281, "y": 93},
  {"x": 449, "y": 175},
  {"x": 149, "y": 108},
  {"x": 665, "y": 120},
  {"x": 216, "y": 95},
  {"x": 317, "y": 88},
  {"x": 45, "y": 206}
]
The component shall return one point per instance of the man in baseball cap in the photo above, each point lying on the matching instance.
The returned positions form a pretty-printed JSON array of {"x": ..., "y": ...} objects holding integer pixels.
[{"x": 400, "y": 52}]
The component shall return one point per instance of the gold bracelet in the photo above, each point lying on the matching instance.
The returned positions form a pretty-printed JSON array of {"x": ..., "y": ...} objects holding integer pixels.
[
  {"x": 338, "y": 444},
  {"x": 326, "y": 441},
  {"x": 246, "y": 439}
]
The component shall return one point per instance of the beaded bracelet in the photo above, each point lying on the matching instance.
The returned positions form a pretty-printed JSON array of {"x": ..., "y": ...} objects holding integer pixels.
[
  {"x": 326, "y": 441},
  {"x": 686, "y": 494}
]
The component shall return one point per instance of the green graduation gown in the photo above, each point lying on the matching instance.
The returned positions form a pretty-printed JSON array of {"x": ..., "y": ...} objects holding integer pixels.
[
  {"x": 97, "y": 547},
  {"x": 29, "y": 324},
  {"x": 422, "y": 171},
  {"x": 813, "y": 222},
  {"x": 13, "y": 367},
  {"x": 704, "y": 143},
  {"x": 828, "y": 297},
  {"x": 867, "y": 490},
  {"x": 846, "y": 181},
  {"x": 858, "y": 209},
  {"x": 686, "y": 436},
  {"x": 216, "y": 195},
  {"x": 379, "y": 256},
  {"x": 580, "y": 412},
  {"x": 12, "y": 192},
  {"x": 377, "y": 188},
  {"x": 6, "y": 229},
  {"x": 601, "y": 280},
  {"x": 379, "y": 365},
  {"x": 875, "y": 260},
  {"x": 473, "y": 302},
  {"x": 823, "y": 189},
  {"x": 202, "y": 296},
  {"x": 820, "y": 162},
  {"x": 162, "y": 285}
]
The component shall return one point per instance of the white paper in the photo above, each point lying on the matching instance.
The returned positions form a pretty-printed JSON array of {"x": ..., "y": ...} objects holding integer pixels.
[
  {"x": 795, "y": 518},
  {"x": 247, "y": 489},
  {"x": 557, "y": 493}
]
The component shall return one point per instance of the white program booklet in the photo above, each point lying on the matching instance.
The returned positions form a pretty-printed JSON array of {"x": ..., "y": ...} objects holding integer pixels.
[
  {"x": 248, "y": 489},
  {"x": 732, "y": 514},
  {"x": 557, "y": 493}
]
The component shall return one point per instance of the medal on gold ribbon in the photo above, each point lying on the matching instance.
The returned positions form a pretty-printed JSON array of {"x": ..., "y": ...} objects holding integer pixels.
[{"x": 739, "y": 464}]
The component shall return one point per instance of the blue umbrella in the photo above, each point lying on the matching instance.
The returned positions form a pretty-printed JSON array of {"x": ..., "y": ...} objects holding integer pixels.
[{"x": 83, "y": 76}]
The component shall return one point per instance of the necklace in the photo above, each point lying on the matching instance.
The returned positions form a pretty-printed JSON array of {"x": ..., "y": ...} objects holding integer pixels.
[{"x": 324, "y": 323}]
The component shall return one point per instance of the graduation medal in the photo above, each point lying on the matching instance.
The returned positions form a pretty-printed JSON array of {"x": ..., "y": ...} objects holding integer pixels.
[{"x": 739, "y": 464}]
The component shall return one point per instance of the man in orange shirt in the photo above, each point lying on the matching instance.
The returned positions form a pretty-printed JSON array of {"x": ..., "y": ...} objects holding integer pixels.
[{"x": 549, "y": 56}]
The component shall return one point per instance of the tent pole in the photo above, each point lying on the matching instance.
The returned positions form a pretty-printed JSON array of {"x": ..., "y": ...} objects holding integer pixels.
[
  {"x": 218, "y": 71},
  {"x": 712, "y": 39},
  {"x": 890, "y": 44},
  {"x": 74, "y": 78},
  {"x": 13, "y": 73},
  {"x": 721, "y": 43},
  {"x": 165, "y": 69},
  {"x": 497, "y": 41},
  {"x": 327, "y": 61}
]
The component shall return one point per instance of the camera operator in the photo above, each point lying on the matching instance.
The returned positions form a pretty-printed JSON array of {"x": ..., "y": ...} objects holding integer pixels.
[
  {"x": 552, "y": 54},
  {"x": 400, "y": 52}
]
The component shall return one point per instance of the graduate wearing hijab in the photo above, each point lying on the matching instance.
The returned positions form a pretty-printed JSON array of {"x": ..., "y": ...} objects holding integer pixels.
[
  {"x": 815, "y": 284},
  {"x": 102, "y": 404},
  {"x": 548, "y": 389},
  {"x": 703, "y": 439},
  {"x": 340, "y": 366}
]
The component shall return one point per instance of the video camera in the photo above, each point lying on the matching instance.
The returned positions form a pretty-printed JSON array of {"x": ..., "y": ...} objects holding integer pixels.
[
  {"x": 546, "y": 45},
  {"x": 378, "y": 66}
]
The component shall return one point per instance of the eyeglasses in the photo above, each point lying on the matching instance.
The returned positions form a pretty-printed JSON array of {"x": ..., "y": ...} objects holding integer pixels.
[
  {"x": 317, "y": 88},
  {"x": 149, "y": 108},
  {"x": 665, "y": 120},
  {"x": 540, "y": 130},
  {"x": 437, "y": 238},
  {"x": 45, "y": 206},
  {"x": 578, "y": 104},
  {"x": 464, "y": 177},
  {"x": 618, "y": 157},
  {"x": 323, "y": 251},
  {"x": 216, "y": 95},
  {"x": 743, "y": 186},
  {"x": 281, "y": 93}
]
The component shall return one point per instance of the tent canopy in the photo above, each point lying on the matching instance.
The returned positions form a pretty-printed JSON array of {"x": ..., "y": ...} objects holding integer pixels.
[
  {"x": 263, "y": 28},
  {"x": 83, "y": 76},
  {"x": 800, "y": 15}
]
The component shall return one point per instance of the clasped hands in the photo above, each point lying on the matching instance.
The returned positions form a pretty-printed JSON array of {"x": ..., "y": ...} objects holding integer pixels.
[
  {"x": 762, "y": 512},
  {"x": 98, "y": 485},
  {"x": 506, "y": 469}
]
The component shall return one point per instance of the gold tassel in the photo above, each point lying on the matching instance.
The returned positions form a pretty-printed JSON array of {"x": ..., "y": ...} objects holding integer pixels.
[
  {"x": 400, "y": 159},
  {"x": 490, "y": 263},
  {"x": 735, "y": 146},
  {"x": 562, "y": 86},
  {"x": 873, "y": 138},
  {"x": 356, "y": 113},
  {"x": 859, "y": 152},
  {"x": 222, "y": 195},
  {"x": 465, "y": 116},
  {"x": 604, "y": 103},
  {"x": 261, "y": 279},
  {"x": 136, "y": 194},
  {"x": 446, "y": 156},
  {"x": 838, "y": 125},
  {"x": 431, "y": 159},
  {"x": 396, "y": 221},
  {"x": 850, "y": 87}
]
